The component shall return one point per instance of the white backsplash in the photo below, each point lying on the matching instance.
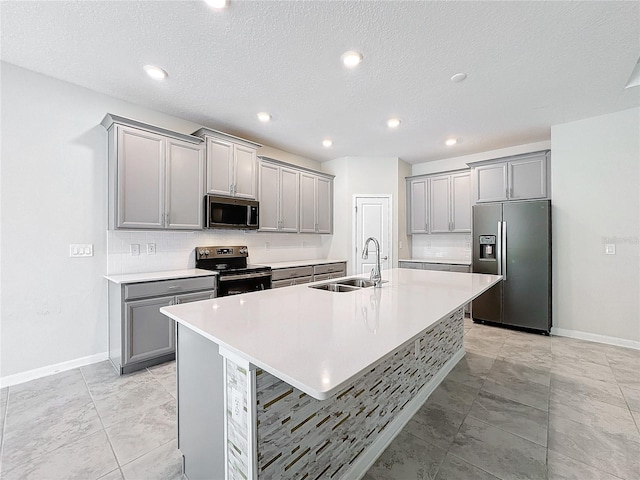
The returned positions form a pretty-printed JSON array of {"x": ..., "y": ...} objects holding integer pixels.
[
  {"x": 176, "y": 250},
  {"x": 453, "y": 246}
]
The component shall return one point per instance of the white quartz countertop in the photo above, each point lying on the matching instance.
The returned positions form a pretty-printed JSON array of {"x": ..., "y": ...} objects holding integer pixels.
[
  {"x": 300, "y": 263},
  {"x": 153, "y": 276},
  {"x": 446, "y": 261},
  {"x": 318, "y": 341}
]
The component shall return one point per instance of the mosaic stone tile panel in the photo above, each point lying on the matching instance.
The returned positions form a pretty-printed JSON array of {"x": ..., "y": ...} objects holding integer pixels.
[
  {"x": 300, "y": 437},
  {"x": 237, "y": 430}
]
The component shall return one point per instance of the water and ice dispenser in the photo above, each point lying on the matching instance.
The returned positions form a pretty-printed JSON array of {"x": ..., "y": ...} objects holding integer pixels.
[{"x": 487, "y": 247}]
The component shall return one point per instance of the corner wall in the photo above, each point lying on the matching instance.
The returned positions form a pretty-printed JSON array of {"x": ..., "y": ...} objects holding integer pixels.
[
  {"x": 54, "y": 193},
  {"x": 366, "y": 175},
  {"x": 596, "y": 201}
]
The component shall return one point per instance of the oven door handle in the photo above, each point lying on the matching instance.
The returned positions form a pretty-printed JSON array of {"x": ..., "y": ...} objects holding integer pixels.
[{"x": 244, "y": 276}]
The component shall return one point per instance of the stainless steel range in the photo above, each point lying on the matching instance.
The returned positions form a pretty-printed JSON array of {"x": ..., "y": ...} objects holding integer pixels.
[{"x": 234, "y": 275}]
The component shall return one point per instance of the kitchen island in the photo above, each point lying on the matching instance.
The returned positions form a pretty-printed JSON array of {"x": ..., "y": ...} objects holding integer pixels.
[{"x": 306, "y": 383}]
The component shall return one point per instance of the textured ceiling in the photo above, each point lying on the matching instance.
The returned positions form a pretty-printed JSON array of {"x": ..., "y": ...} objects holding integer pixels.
[{"x": 530, "y": 65}]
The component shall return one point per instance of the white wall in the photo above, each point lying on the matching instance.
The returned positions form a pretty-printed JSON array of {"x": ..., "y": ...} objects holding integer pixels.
[
  {"x": 366, "y": 175},
  {"x": 54, "y": 193},
  {"x": 596, "y": 200},
  {"x": 456, "y": 163}
]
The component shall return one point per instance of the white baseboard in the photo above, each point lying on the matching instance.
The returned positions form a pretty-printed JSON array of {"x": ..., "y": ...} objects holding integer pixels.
[
  {"x": 593, "y": 337},
  {"x": 371, "y": 454},
  {"x": 22, "y": 377}
]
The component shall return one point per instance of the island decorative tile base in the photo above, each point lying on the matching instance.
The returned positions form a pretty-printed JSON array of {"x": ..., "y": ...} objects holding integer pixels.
[{"x": 304, "y": 438}]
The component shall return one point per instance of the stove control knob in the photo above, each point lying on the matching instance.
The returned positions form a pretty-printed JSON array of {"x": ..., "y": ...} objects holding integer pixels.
[{"x": 206, "y": 252}]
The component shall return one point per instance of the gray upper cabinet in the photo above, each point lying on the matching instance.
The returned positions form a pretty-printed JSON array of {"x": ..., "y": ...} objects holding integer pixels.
[
  {"x": 294, "y": 199},
  {"x": 155, "y": 176},
  {"x": 279, "y": 198},
  {"x": 316, "y": 203},
  {"x": 324, "y": 205},
  {"x": 417, "y": 192},
  {"x": 439, "y": 203},
  {"x": 185, "y": 180},
  {"x": 231, "y": 164},
  {"x": 520, "y": 177}
]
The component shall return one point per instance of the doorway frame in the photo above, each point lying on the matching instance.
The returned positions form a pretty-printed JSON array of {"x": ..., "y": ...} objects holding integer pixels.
[{"x": 354, "y": 227}]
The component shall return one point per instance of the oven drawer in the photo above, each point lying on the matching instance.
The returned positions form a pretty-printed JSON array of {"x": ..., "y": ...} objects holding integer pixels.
[
  {"x": 329, "y": 268},
  {"x": 285, "y": 273},
  {"x": 168, "y": 287}
]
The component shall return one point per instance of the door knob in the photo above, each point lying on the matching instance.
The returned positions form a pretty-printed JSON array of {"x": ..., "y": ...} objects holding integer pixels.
[{"x": 384, "y": 258}]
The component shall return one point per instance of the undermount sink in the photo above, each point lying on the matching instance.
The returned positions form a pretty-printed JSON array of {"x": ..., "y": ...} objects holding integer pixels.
[
  {"x": 335, "y": 287},
  {"x": 347, "y": 285},
  {"x": 356, "y": 282}
]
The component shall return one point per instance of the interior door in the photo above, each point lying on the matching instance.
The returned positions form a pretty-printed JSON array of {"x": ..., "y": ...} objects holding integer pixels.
[{"x": 373, "y": 219}]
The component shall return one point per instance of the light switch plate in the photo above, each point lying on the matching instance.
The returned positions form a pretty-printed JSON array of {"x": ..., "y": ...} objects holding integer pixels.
[
  {"x": 135, "y": 249},
  {"x": 80, "y": 250},
  {"x": 610, "y": 249}
]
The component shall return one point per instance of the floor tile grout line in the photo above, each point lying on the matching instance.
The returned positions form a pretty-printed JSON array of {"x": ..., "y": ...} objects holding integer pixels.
[
  {"x": 4, "y": 425},
  {"x": 49, "y": 452},
  {"x": 106, "y": 434}
]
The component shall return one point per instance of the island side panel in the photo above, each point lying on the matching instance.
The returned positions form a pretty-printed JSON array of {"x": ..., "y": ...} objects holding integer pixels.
[
  {"x": 301, "y": 437},
  {"x": 240, "y": 420}
]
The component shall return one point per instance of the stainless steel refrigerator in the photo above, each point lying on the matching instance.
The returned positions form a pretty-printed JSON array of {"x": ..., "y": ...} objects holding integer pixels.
[{"x": 513, "y": 239}]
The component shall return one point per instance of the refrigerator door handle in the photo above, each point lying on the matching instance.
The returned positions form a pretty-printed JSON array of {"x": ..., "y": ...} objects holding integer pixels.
[
  {"x": 499, "y": 248},
  {"x": 504, "y": 250}
]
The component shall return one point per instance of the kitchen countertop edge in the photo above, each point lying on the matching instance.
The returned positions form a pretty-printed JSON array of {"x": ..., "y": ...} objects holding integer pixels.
[{"x": 155, "y": 276}]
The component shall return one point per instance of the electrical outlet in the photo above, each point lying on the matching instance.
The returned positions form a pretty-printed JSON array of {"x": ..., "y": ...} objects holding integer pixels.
[
  {"x": 151, "y": 248},
  {"x": 610, "y": 249},
  {"x": 236, "y": 407},
  {"x": 135, "y": 249},
  {"x": 80, "y": 250}
]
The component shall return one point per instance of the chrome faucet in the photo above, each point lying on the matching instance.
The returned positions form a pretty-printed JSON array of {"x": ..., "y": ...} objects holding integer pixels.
[{"x": 375, "y": 277}]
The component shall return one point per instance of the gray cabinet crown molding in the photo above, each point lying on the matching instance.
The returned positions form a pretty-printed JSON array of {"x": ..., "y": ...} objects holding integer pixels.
[
  {"x": 520, "y": 156},
  {"x": 295, "y": 167},
  {"x": 435, "y": 174},
  {"x": 209, "y": 132},
  {"x": 110, "y": 119}
]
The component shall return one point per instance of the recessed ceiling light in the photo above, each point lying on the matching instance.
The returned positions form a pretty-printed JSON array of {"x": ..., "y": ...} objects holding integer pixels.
[
  {"x": 451, "y": 141},
  {"x": 351, "y": 58},
  {"x": 459, "y": 77},
  {"x": 393, "y": 122},
  {"x": 217, "y": 4},
  {"x": 327, "y": 143},
  {"x": 264, "y": 116},
  {"x": 155, "y": 72}
]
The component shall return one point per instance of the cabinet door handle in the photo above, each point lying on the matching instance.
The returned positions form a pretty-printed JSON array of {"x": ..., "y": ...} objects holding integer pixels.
[{"x": 506, "y": 193}]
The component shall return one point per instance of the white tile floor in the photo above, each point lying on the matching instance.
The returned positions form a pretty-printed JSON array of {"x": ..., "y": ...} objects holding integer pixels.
[{"x": 518, "y": 406}]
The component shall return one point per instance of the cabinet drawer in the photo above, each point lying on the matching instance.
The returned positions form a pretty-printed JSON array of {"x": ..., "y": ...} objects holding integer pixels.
[
  {"x": 281, "y": 283},
  {"x": 443, "y": 267},
  {"x": 284, "y": 273},
  {"x": 301, "y": 280},
  {"x": 322, "y": 278},
  {"x": 168, "y": 287},
  {"x": 339, "y": 274},
  {"x": 412, "y": 265},
  {"x": 328, "y": 268},
  {"x": 195, "y": 297}
]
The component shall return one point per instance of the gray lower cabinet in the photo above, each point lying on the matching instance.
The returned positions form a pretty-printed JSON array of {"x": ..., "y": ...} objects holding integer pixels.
[
  {"x": 139, "y": 335},
  {"x": 286, "y": 277},
  {"x": 441, "y": 267}
]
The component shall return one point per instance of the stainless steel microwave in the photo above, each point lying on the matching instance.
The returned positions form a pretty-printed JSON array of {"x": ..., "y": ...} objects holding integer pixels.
[{"x": 238, "y": 213}]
